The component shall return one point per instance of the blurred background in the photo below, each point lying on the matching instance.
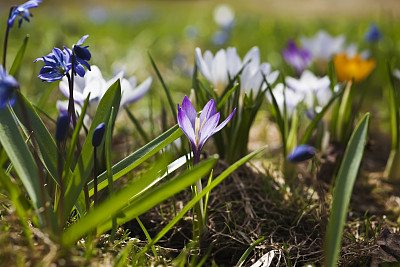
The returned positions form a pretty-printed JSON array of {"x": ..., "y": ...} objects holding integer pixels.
[{"x": 121, "y": 33}]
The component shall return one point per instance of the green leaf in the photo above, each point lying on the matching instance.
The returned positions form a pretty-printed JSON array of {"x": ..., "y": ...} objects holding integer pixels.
[
  {"x": 47, "y": 146},
  {"x": 138, "y": 203},
  {"x": 135, "y": 159},
  {"x": 343, "y": 189},
  {"x": 84, "y": 166},
  {"x": 18, "y": 58},
  {"x": 20, "y": 156}
]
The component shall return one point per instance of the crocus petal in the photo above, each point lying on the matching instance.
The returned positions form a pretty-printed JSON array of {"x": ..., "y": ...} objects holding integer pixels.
[
  {"x": 189, "y": 110},
  {"x": 222, "y": 125},
  {"x": 208, "y": 129},
  {"x": 219, "y": 70},
  {"x": 186, "y": 126},
  {"x": 208, "y": 111},
  {"x": 134, "y": 94},
  {"x": 201, "y": 65}
]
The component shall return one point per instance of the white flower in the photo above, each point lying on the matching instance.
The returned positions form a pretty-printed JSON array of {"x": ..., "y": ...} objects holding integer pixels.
[
  {"x": 323, "y": 46},
  {"x": 129, "y": 91},
  {"x": 251, "y": 78},
  {"x": 94, "y": 83},
  {"x": 222, "y": 68},
  {"x": 316, "y": 91},
  {"x": 285, "y": 96},
  {"x": 217, "y": 68}
]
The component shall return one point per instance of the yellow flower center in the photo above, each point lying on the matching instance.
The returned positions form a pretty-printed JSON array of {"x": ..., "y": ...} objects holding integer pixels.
[{"x": 197, "y": 129}]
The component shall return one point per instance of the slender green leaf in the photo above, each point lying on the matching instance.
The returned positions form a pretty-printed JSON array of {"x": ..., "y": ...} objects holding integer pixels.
[
  {"x": 138, "y": 203},
  {"x": 137, "y": 125},
  {"x": 18, "y": 58},
  {"x": 47, "y": 146},
  {"x": 20, "y": 156},
  {"x": 317, "y": 118},
  {"x": 84, "y": 166},
  {"x": 135, "y": 159},
  {"x": 249, "y": 250},
  {"x": 343, "y": 189},
  {"x": 108, "y": 142},
  {"x": 167, "y": 92}
]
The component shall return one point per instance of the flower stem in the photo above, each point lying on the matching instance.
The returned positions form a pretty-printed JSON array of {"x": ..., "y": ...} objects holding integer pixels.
[
  {"x": 71, "y": 103},
  {"x": 94, "y": 178},
  {"x": 6, "y": 38}
]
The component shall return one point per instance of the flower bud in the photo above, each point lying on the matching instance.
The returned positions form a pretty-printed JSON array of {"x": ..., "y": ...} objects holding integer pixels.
[
  {"x": 62, "y": 127},
  {"x": 301, "y": 153},
  {"x": 98, "y": 134}
]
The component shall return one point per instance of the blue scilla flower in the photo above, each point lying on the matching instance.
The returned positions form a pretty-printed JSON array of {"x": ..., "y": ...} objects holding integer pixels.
[
  {"x": 98, "y": 134},
  {"x": 8, "y": 85},
  {"x": 22, "y": 12},
  {"x": 57, "y": 65},
  {"x": 373, "y": 33},
  {"x": 301, "y": 153},
  {"x": 82, "y": 55}
]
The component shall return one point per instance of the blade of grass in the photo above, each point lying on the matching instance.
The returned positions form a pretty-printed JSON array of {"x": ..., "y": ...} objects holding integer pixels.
[
  {"x": 108, "y": 143},
  {"x": 100, "y": 216},
  {"x": 167, "y": 92},
  {"x": 138, "y": 157},
  {"x": 249, "y": 250},
  {"x": 138, "y": 126},
  {"x": 318, "y": 117},
  {"x": 343, "y": 189}
]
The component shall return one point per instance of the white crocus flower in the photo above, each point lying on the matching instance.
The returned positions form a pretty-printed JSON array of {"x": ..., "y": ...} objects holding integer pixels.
[
  {"x": 130, "y": 92},
  {"x": 217, "y": 68},
  {"x": 94, "y": 83},
  {"x": 316, "y": 90},
  {"x": 252, "y": 78},
  {"x": 323, "y": 46},
  {"x": 285, "y": 96}
]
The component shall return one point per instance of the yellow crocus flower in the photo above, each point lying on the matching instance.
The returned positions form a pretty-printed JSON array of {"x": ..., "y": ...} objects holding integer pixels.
[{"x": 355, "y": 68}]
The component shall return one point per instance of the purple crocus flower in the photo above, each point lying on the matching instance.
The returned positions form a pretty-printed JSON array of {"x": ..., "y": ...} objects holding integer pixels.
[
  {"x": 8, "y": 85},
  {"x": 199, "y": 129},
  {"x": 297, "y": 57},
  {"x": 23, "y": 12},
  {"x": 82, "y": 55},
  {"x": 301, "y": 153},
  {"x": 57, "y": 65}
]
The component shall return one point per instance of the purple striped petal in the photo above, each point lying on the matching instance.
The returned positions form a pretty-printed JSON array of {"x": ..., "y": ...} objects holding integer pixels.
[
  {"x": 189, "y": 110},
  {"x": 186, "y": 126},
  {"x": 208, "y": 111},
  {"x": 208, "y": 129},
  {"x": 222, "y": 125}
]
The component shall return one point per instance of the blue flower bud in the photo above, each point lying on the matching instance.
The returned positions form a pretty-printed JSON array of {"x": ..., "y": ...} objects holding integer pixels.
[
  {"x": 98, "y": 134},
  {"x": 301, "y": 153},
  {"x": 62, "y": 127}
]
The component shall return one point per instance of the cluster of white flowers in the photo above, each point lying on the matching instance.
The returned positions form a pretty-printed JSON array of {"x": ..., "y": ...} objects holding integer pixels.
[{"x": 222, "y": 68}]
